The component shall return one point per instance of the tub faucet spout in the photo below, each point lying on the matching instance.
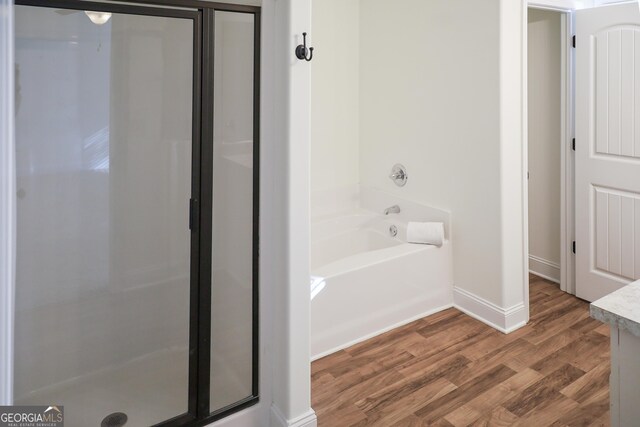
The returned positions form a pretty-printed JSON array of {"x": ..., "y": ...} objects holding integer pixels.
[{"x": 393, "y": 209}]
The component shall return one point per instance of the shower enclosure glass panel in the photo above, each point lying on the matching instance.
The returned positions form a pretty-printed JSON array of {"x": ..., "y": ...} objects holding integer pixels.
[
  {"x": 104, "y": 139},
  {"x": 233, "y": 263}
]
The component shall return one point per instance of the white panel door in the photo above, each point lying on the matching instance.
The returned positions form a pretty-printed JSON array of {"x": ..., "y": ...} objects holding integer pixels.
[{"x": 607, "y": 149}]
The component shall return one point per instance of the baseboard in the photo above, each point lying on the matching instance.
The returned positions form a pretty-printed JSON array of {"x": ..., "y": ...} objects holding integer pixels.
[
  {"x": 308, "y": 419},
  {"x": 505, "y": 320},
  {"x": 545, "y": 269}
]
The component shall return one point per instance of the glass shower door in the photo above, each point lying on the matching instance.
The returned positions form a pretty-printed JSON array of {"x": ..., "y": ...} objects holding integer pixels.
[
  {"x": 104, "y": 162},
  {"x": 234, "y": 258}
]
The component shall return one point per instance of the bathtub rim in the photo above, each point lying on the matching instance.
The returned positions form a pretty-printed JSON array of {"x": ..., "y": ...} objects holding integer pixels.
[{"x": 369, "y": 258}]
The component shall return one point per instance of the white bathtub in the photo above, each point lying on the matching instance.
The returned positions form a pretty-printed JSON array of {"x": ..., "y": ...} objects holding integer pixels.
[{"x": 373, "y": 281}]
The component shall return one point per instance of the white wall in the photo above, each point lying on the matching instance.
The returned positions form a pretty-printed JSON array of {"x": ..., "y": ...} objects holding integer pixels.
[
  {"x": 334, "y": 94},
  {"x": 7, "y": 202},
  {"x": 289, "y": 215},
  {"x": 429, "y": 97},
  {"x": 544, "y": 72},
  {"x": 513, "y": 160}
]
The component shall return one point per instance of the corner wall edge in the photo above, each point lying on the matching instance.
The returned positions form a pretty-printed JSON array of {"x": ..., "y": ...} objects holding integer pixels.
[
  {"x": 308, "y": 419},
  {"x": 505, "y": 320}
]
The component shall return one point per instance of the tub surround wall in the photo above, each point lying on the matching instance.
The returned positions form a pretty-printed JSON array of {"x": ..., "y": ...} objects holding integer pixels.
[
  {"x": 334, "y": 200},
  {"x": 377, "y": 201}
]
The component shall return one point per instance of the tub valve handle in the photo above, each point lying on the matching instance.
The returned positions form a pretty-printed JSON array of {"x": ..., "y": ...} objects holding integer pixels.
[{"x": 399, "y": 175}]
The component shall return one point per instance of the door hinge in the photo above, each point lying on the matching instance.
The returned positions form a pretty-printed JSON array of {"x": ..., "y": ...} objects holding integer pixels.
[
  {"x": 573, "y": 144},
  {"x": 192, "y": 213},
  {"x": 573, "y": 247},
  {"x": 573, "y": 41}
]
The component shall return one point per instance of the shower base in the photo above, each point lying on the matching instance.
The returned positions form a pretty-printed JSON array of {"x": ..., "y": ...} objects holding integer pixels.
[{"x": 148, "y": 390}]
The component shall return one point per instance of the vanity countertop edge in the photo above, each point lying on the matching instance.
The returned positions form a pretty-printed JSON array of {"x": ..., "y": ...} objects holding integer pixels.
[{"x": 620, "y": 308}]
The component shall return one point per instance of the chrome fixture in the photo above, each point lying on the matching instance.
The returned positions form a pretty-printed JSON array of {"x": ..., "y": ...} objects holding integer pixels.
[
  {"x": 393, "y": 231},
  {"x": 399, "y": 175},
  {"x": 393, "y": 209}
]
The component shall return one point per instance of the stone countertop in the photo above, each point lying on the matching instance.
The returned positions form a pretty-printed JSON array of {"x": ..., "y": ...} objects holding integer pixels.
[{"x": 620, "y": 308}]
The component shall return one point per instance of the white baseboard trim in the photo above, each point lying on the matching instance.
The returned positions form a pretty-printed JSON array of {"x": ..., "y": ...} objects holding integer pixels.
[
  {"x": 545, "y": 269},
  {"x": 505, "y": 320},
  {"x": 308, "y": 419}
]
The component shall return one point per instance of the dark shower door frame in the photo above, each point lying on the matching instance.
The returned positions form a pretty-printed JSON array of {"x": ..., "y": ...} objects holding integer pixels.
[{"x": 202, "y": 13}]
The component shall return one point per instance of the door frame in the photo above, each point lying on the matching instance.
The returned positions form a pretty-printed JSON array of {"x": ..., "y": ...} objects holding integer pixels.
[
  {"x": 567, "y": 133},
  {"x": 202, "y": 14}
]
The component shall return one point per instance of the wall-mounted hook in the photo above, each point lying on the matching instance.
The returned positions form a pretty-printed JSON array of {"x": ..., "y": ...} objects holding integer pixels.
[{"x": 301, "y": 50}]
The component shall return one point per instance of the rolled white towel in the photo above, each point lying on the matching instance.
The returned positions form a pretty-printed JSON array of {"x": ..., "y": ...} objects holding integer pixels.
[{"x": 426, "y": 233}]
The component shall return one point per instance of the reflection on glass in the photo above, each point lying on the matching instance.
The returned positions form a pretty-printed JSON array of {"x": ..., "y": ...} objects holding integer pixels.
[
  {"x": 231, "y": 350},
  {"x": 104, "y": 171},
  {"x": 98, "y": 18},
  {"x": 317, "y": 285}
]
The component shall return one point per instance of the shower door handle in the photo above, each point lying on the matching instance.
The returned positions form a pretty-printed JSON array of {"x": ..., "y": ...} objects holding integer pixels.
[{"x": 193, "y": 212}]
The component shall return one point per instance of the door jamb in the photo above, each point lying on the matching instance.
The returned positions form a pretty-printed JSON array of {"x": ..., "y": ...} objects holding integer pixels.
[
  {"x": 567, "y": 211},
  {"x": 567, "y": 174}
]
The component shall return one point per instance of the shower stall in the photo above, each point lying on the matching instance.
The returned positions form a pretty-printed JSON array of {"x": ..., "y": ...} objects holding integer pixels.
[{"x": 137, "y": 156}]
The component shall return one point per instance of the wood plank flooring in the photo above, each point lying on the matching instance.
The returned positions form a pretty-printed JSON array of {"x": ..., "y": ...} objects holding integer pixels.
[{"x": 452, "y": 370}]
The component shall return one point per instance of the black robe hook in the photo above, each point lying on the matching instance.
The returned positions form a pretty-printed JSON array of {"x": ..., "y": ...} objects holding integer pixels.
[{"x": 301, "y": 50}]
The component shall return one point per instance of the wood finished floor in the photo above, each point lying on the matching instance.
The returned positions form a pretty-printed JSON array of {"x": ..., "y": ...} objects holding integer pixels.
[{"x": 452, "y": 370}]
